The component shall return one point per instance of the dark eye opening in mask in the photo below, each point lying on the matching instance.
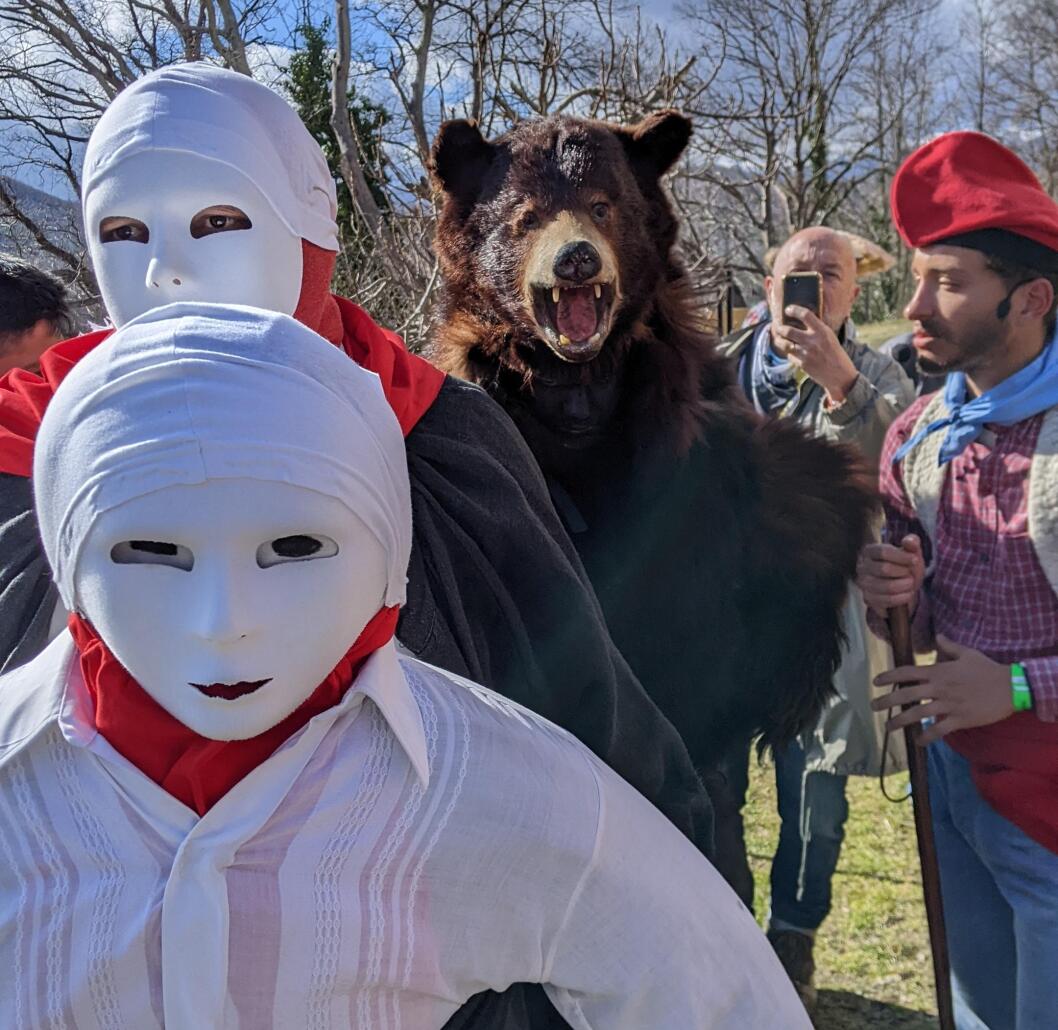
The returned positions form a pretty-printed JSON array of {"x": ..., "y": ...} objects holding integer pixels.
[
  {"x": 297, "y": 547},
  {"x": 219, "y": 218},
  {"x": 152, "y": 552},
  {"x": 123, "y": 229}
]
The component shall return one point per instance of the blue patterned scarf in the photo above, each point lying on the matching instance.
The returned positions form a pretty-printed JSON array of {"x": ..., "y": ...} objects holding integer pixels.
[{"x": 772, "y": 380}]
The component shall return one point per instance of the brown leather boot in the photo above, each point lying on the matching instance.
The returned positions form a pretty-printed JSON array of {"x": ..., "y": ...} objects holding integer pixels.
[{"x": 795, "y": 953}]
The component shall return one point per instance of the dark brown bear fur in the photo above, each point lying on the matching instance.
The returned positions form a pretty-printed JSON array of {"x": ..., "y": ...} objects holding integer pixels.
[{"x": 720, "y": 545}]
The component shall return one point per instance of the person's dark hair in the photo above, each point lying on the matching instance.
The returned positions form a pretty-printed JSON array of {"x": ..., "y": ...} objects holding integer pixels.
[
  {"x": 1012, "y": 273},
  {"x": 28, "y": 294}
]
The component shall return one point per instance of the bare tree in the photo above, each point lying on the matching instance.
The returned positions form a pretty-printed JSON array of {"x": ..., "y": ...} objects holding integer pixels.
[
  {"x": 801, "y": 107},
  {"x": 797, "y": 142},
  {"x": 978, "y": 66},
  {"x": 900, "y": 91},
  {"x": 61, "y": 63},
  {"x": 1026, "y": 80},
  {"x": 352, "y": 159}
]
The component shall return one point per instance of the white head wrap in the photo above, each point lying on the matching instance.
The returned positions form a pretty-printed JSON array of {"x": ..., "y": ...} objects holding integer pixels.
[
  {"x": 220, "y": 115},
  {"x": 193, "y": 392}
]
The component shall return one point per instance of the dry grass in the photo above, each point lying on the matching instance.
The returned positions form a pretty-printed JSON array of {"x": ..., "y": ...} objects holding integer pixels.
[{"x": 872, "y": 954}]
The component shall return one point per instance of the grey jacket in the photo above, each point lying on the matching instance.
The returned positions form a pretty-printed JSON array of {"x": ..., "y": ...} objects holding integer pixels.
[
  {"x": 881, "y": 391},
  {"x": 848, "y": 738}
]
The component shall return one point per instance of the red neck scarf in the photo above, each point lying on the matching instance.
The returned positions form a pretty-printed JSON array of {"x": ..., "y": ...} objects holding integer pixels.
[
  {"x": 194, "y": 769},
  {"x": 411, "y": 384}
]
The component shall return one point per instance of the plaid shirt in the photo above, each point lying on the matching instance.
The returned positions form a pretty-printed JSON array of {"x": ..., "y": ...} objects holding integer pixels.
[{"x": 984, "y": 587}]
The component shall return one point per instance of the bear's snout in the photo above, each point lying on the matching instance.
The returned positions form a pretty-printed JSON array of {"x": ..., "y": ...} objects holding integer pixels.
[{"x": 577, "y": 262}]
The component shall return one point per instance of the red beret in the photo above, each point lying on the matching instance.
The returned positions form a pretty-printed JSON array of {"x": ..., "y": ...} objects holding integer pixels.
[{"x": 964, "y": 182}]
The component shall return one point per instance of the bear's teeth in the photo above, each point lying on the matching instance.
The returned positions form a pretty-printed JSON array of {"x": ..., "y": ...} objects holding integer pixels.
[
  {"x": 598, "y": 291},
  {"x": 555, "y": 293},
  {"x": 594, "y": 339},
  {"x": 564, "y": 340}
]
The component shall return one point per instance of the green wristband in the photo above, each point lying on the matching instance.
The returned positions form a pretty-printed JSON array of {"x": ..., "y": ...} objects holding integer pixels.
[{"x": 1020, "y": 694}]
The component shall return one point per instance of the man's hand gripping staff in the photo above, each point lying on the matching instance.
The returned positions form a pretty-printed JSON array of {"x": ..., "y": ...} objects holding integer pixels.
[{"x": 965, "y": 688}]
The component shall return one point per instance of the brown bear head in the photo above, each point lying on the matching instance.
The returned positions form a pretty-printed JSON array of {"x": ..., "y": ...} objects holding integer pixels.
[
  {"x": 559, "y": 228},
  {"x": 558, "y": 282}
]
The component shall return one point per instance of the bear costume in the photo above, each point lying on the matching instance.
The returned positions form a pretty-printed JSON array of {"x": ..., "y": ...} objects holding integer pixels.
[{"x": 720, "y": 544}]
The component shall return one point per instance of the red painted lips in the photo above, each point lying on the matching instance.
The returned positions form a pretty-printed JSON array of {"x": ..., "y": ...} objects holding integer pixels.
[{"x": 230, "y": 691}]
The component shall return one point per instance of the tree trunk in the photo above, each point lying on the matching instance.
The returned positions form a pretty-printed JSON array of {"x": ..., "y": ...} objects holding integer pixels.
[{"x": 348, "y": 147}]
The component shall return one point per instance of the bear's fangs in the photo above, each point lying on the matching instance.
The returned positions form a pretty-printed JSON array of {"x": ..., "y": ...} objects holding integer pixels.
[{"x": 574, "y": 322}]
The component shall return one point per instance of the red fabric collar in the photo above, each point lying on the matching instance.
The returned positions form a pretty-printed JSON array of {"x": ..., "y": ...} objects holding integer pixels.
[
  {"x": 411, "y": 384},
  {"x": 194, "y": 769}
]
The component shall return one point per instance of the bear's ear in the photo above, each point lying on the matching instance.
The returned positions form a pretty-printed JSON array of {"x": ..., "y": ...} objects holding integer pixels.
[
  {"x": 657, "y": 141},
  {"x": 459, "y": 159}
]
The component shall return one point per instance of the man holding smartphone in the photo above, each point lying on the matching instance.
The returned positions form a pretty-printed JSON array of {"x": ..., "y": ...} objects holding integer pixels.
[{"x": 804, "y": 362}]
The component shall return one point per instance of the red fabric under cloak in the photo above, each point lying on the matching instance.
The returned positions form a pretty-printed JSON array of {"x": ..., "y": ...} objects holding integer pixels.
[{"x": 194, "y": 769}]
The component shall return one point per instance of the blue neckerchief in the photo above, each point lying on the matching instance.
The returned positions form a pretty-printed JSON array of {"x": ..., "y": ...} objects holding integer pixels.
[
  {"x": 1026, "y": 393},
  {"x": 772, "y": 382}
]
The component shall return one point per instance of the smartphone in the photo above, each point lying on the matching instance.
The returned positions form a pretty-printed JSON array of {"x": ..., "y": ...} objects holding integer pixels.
[{"x": 804, "y": 289}]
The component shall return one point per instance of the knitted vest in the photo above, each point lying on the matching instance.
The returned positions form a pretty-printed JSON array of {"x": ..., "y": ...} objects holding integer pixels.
[{"x": 924, "y": 483}]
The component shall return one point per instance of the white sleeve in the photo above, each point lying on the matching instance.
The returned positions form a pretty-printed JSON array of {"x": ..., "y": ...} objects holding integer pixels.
[{"x": 653, "y": 936}]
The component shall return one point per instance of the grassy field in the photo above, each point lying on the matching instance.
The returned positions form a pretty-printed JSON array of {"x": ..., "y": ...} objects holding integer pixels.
[{"x": 872, "y": 953}]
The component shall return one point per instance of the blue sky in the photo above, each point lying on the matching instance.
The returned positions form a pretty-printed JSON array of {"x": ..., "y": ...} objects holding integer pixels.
[{"x": 662, "y": 11}]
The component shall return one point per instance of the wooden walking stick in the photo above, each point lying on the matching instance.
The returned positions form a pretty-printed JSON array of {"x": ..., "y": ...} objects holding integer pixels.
[{"x": 903, "y": 654}]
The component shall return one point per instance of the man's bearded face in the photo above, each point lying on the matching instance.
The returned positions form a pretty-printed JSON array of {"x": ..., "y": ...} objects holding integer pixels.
[
  {"x": 954, "y": 310},
  {"x": 168, "y": 226},
  {"x": 230, "y": 601}
]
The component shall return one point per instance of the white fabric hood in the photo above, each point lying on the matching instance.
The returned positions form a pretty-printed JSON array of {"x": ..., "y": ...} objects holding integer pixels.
[
  {"x": 195, "y": 392},
  {"x": 223, "y": 116}
]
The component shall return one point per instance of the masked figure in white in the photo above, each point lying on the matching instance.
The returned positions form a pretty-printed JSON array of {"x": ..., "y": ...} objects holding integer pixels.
[
  {"x": 226, "y": 802},
  {"x": 203, "y": 185}
]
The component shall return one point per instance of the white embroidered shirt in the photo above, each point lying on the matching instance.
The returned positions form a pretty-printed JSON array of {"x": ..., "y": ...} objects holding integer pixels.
[{"x": 420, "y": 842}]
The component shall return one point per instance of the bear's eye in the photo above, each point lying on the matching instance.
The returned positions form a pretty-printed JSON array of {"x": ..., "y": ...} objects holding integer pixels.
[
  {"x": 599, "y": 211},
  {"x": 530, "y": 220}
]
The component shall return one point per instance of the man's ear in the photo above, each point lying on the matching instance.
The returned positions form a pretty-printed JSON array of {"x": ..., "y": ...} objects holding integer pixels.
[
  {"x": 1039, "y": 295},
  {"x": 657, "y": 141},
  {"x": 460, "y": 159}
]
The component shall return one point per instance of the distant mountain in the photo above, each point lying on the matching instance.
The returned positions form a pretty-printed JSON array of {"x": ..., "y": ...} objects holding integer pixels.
[{"x": 59, "y": 219}]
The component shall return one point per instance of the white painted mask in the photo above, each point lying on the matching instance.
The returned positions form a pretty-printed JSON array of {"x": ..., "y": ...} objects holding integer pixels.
[
  {"x": 229, "y": 601},
  {"x": 199, "y": 184},
  {"x": 224, "y": 496},
  {"x": 164, "y": 227}
]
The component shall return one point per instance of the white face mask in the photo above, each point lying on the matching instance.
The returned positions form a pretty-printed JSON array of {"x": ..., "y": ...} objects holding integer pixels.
[
  {"x": 168, "y": 226},
  {"x": 230, "y": 601}
]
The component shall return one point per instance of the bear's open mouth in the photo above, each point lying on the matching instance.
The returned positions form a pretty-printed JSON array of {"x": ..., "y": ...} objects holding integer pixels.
[
  {"x": 574, "y": 320},
  {"x": 230, "y": 691}
]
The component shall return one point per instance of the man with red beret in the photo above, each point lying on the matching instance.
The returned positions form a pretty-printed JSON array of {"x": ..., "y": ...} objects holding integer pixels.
[{"x": 970, "y": 485}]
